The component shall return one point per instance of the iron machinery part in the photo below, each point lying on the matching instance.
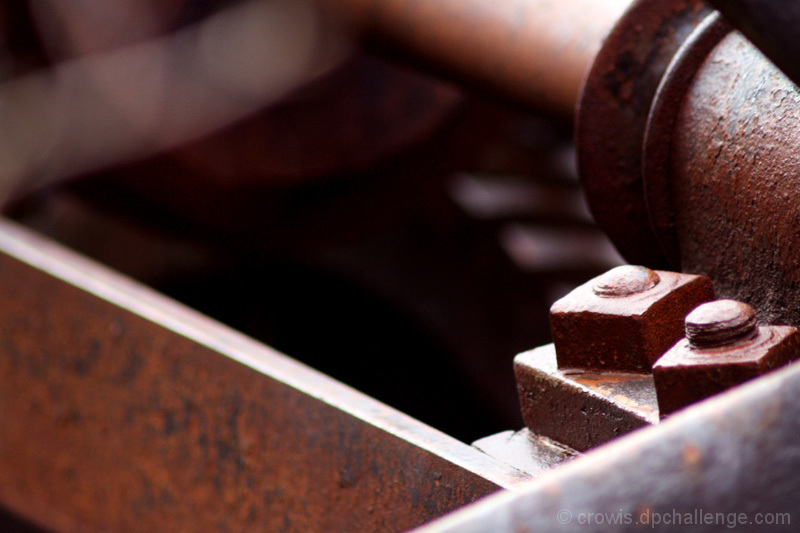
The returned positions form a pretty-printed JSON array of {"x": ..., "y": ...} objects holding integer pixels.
[
  {"x": 771, "y": 25},
  {"x": 581, "y": 409},
  {"x": 735, "y": 179},
  {"x": 720, "y": 323},
  {"x": 732, "y": 454},
  {"x": 612, "y": 118},
  {"x": 624, "y": 320},
  {"x": 723, "y": 347},
  {"x": 720, "y": 172},
  {"x": 661, "y": 123},
  {"x": 695, "y": 163}
]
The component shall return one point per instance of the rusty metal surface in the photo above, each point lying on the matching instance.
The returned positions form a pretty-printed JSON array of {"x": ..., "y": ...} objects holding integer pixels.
[
  {"x": 720, "y": 162},
  {"x": 626, "y": 331},
  {"x": 577, "y": 408},
  {"x": 121, "y": 410},
  {"x": 656, "y": 163},
  {"x": 612, "y": 117},
  {"x": 537, "y": 52},
  {"x": 771, "y": 25},
  {"x": 735, "y": 174},
  {"x": 723, "y": 348},
  {"x": 734, "y": 454},
  {"x": 525, "y": 451},
  {"x": 625, "y": 280}
]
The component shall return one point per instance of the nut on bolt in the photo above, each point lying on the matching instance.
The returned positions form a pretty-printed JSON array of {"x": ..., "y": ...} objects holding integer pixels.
[
  {"x": 723, "y": 347},
  {"x": 625, "y": 319}
]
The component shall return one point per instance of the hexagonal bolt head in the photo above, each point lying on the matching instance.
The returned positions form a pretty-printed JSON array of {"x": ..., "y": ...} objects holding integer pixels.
[
  {"x": 723, "y": 348},
  {"x": 625, "y": 319}
]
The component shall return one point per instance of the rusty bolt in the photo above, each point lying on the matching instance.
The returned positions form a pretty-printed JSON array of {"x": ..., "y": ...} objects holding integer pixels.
[
  {"x": 723, "y": 347},
  {"x": 720, "y": 323},
  {"x": 625, "y": 319}
]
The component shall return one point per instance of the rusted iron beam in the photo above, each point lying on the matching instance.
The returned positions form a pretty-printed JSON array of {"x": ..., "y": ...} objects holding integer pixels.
[
  {"x": 728, "y": 463},
  {"x": 533, "y": 51},
  {"x": 123, "y": 410}
]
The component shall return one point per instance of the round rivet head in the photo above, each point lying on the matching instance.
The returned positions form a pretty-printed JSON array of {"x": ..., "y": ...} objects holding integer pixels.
[
  {"x": 624, "y": 281},
  {"x": 720, "y": 323}
]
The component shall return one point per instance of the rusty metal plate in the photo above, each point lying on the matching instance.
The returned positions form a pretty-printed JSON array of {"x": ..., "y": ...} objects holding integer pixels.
[
  {"x": 581, "y": 409},
  {"x": 122, "y": 410}
]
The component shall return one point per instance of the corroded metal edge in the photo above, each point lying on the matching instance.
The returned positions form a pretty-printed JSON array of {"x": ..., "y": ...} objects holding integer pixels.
[
  {"x": 735, "y": 453},
  {"x": 524, "y": 450}
]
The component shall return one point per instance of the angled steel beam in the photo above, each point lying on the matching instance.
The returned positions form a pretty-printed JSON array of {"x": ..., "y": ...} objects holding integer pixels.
[{"x": 123, "y": 410}]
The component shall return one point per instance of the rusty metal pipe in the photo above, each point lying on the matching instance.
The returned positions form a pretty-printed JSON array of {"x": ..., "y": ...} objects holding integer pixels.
[
  {"x": 535, "y": 52},
  {"x": 706, "y": 182},
  {"x": 771, "y": 25},
  {"x": 735, "y": 179},
  {"x": 689, "y": 153}
]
